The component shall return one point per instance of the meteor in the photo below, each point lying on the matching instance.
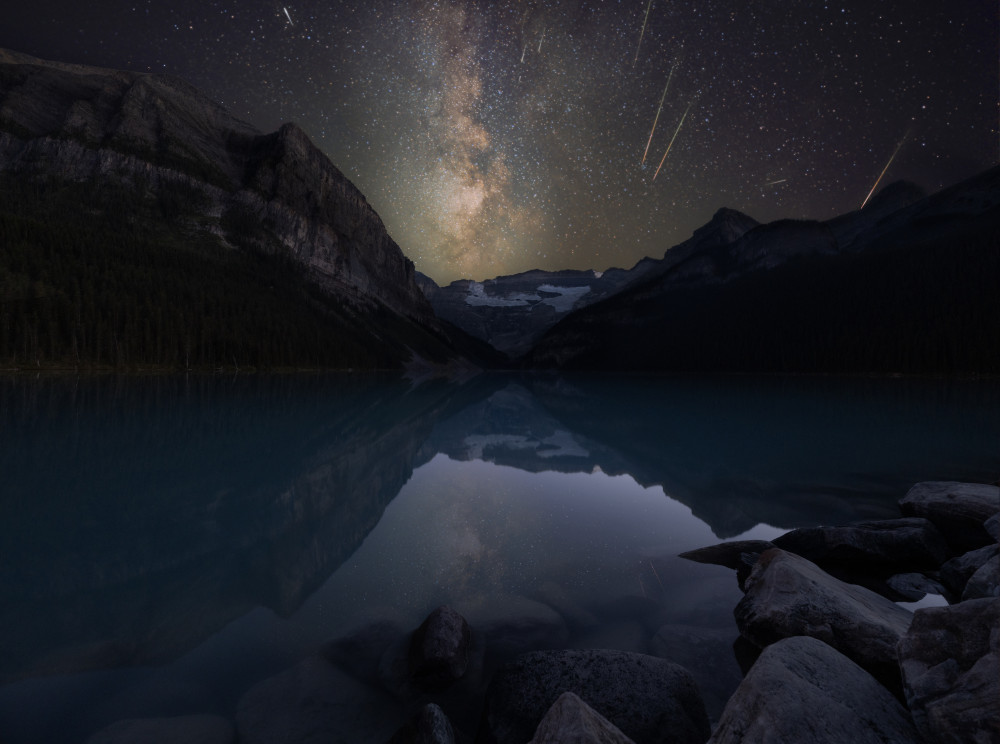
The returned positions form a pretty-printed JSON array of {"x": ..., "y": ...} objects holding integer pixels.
[
  {"x": 772, "y": 183},
  {"x": 525, "y": 49},
  {"x": 657, "y": 118},
  {"x": 642, "y": 33},
  {"x": 541, "y": 40},
  {"x": 288, "y": 16},
  {"x": 879, "y": 179},
  {"x": 676, "y": 132}
]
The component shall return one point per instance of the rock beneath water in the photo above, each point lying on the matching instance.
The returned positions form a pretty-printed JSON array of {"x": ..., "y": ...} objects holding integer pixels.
[
  {"x": 956, "y": 573},
  {"x": 360, "y": 650},
  {"x": 571, "y": 721},
  {"x": 429, "y": 726},
  {"x": 649, "y": 699},
  {"x": 511, "y": 624},
  {"x": 985, "y": 582},
  {"x": 195, "y": 729},
  {"x": 889, "y": 544},
  {"x": 802, "y": 690},
  {"x": 950, "y": 659},
  {"x": 739, "y": 555},
  {"x": 914, "y": 586},
  {"x": 439, "y": 649},
  {"x": 959, "y": 510},
  {"x": 786, "y": 595},
  {"x": 314, "y": 702},
  {"x": 708, "y": 654},
  {"x": 624, "y": 635}
]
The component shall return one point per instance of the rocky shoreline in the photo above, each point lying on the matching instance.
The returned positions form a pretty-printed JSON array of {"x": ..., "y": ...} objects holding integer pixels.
[{"x": 827, "y": 656}]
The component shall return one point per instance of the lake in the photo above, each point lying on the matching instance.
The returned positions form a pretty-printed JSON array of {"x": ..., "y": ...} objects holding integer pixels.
[{"x": 168, "y": 542}]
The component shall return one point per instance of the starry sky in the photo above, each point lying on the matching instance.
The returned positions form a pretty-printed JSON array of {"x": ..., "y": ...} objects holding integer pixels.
[{"x": 496, "y": 137}]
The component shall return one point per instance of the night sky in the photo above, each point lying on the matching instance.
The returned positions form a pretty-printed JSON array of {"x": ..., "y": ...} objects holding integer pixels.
[{"x": 495, "y": 137}]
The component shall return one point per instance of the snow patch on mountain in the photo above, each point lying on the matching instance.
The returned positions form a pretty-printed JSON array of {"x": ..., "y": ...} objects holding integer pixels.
[
  {"x": 567, "y": 296},
  {"x": 477, "y": 296}
]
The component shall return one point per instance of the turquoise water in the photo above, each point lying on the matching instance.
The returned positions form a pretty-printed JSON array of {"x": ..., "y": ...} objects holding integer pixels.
[{"x": 167, "y": 542}]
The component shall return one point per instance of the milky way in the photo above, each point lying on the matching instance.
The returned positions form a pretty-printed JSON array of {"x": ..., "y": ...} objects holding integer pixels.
[{"x": 494, "y": 137}]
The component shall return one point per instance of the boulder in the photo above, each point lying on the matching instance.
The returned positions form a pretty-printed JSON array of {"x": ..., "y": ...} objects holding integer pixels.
[
  {"x": 950, "y": 660},
  {"x": 648, "y": 699},
  {"x": 992, "y": 527},
  {"x": 739, "y": 555},
  {"x": 786, "y": 595},
  {"x": 889, "y": 544},
  {"x": 429, "y": 726},
  {"x": 955, "y": 574},
  {"x": 985, "y": 582},
  {"x": 314, "y": 702},
  {"x": 572, "y": 721},
  {"x": 802, "y": 690},
  {"x": 708, "y": 654},
  {"x": 194, "y": 729},
  {"x": 439, "y": 649},
  {"x": 959, "y": 510},
  {"x": 913, "y": 587}
]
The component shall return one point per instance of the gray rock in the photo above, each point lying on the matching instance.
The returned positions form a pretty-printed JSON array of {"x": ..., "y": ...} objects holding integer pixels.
[
  {"x": 739, "y": 555},
  {"x": 571, "y": 721},
  {"x": 429, "y": 726},
  {"x": 314, "y": 702},
  {"x": 195, "y": 729},
  {"x": 959, "y": 510},
  {"x": 985, "y": 582},
  {"x": 708, "y": 654},
  {"x": 786, "y": 595},
  {"x": 439, "y": 649},
  {"x": 992, "y": 527},
  {"x": 649, "y": 699},
  {"x": 915, "y": 586},
  {"x": 894, "y": 544},
  {"x": 955, "y": 574},
  {"x": 359, "y": 651},
  {"x": 950, "y": 659},
  {"x": 802, "y": 690}
]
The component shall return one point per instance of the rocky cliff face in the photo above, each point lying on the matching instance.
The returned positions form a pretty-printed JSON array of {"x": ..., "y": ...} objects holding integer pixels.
[{"x": 275, "y": 191}]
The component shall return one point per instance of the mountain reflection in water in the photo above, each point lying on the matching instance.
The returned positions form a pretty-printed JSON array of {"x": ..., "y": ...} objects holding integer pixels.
[{"x": 168, "y": 541}]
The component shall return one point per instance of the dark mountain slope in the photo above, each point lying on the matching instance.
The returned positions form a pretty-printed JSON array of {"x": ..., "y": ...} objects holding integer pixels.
[
  {"x": 141, "y": 224},
  {"x": 914, "y": 292}
]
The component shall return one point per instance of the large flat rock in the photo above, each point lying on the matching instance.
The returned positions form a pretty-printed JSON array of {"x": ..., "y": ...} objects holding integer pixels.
[
  {"x": 802, "y": 690},
  {"x": 651, "y": 700},
  {"x": 959, "y": 510},
  {"x": 786, "y": 596},
  {"x": 950, "y": 659}
]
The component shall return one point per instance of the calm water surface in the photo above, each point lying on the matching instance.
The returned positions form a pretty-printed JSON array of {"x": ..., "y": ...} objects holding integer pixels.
[{"x": 166, "y": 543}]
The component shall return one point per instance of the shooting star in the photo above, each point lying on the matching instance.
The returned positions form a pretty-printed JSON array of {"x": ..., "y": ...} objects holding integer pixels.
[
  {"x": 541, "y": 40},
  {"x": 657, "y": 118},
  {"x": 523, "y": 51},
  {"x": 879, "y": 179},
  {"x": 642, "y": 33},
  {"x": 772, "y": 183},
  {"x": 288, "y": 16},
  {"x": 676, "y": 132}
]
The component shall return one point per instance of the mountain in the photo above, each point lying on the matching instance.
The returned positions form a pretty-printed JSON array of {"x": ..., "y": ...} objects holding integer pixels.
[
  {"x": 142, "y": 224},
  {"x": 906, "y": 285},
  {"x": 512, "y": 312}
]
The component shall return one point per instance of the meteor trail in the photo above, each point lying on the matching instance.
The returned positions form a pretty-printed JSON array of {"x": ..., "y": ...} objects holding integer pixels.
[
  {"x": 523, "y": 51},
  {"x": 288, "y": 16},
  {"x": 642, "y": 33},
  {"x": 541, "y": 40},
  {"x": 879, "y": 179},
  {"x": 676, "y": 132},
  {"x": 771, "y": 183},
  {"x": 657, "y": 118}
]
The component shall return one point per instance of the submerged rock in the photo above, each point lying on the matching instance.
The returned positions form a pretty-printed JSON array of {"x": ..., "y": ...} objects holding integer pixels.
[
  {"x": 439, "y": 649},
  {"x": 950, "y": 660},
  {"x": 195, "y": 729},
  {"x": 889, "y": 544},
  {"x": 650, "y": 700},
  {"x": 802, "y": 690},
  {"x": 429, "y": 726},
  {"x": 314, "y": 702},
  {"x": 571, "y": 721},
  {"x": 959, "y": 510},
  {"x": 786, "y": 595}
]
